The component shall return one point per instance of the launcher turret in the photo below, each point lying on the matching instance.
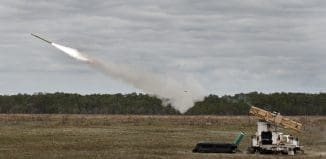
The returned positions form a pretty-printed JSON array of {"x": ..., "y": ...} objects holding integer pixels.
[{"x": 275, "y": 118}]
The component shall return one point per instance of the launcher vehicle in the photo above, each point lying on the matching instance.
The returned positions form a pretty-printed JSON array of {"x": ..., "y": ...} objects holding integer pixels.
[{"x": 268, "y": 137}]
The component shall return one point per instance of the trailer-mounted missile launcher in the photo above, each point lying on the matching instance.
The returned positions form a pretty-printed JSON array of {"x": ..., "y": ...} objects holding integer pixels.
[{"x": 268, "y": 138}]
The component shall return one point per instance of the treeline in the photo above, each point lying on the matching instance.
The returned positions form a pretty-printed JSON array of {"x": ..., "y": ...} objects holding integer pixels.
[
  {"x": 64, "y": 103},
  {"x": 239, "y": 104}
]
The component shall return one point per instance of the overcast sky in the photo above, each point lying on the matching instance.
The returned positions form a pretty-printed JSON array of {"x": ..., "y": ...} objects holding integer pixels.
[{"x": 227, "y": 47}]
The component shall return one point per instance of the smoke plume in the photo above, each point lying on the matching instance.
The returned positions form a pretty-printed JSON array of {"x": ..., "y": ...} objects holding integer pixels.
[
  {"x": 180, "y": 94},
  {"x": 71, "y": 52}
]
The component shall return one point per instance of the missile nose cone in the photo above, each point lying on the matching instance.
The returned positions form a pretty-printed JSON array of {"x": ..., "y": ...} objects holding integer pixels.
[{"x": 41, "y": 38}]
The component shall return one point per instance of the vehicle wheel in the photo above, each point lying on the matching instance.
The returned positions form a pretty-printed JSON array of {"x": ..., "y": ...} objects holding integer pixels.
[
  {"x": 284, "y": 153},
  {"x": 251, "y": 150}
]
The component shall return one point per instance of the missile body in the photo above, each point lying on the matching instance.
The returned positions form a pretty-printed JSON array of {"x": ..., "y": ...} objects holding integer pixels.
[{"x": 41, "y": 38}]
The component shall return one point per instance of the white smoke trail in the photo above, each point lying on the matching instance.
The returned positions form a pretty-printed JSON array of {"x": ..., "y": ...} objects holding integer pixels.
[
  {"x": 180, "y": 94},
  {"x": 71, "y": 52}
]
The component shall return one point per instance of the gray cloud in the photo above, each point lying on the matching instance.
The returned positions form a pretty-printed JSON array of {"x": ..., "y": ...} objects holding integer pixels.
[{"x": 227, "y": 46}]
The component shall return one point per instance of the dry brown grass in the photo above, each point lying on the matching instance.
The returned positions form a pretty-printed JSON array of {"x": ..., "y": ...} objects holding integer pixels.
[{"x": 136, "y": 136}]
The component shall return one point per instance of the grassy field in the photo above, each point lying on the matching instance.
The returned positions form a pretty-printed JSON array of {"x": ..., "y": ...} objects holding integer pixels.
[{"x": 129, "y": 136}]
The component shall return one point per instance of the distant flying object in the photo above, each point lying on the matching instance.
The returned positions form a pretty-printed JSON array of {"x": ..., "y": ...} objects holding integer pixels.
[{"x": 41, "y": 38}]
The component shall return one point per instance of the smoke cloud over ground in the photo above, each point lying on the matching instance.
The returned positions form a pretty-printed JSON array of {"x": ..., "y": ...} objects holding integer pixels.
[{"x": 180, "y": 94}]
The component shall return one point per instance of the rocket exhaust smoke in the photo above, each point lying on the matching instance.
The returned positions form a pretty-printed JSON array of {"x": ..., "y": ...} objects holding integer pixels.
[
  {"x": 71, "y": 52},
  {"x": 179, "y": 94}
]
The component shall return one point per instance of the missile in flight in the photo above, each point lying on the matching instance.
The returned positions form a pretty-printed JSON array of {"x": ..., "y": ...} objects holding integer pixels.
[
  {"x": 70, "y": 51},
  {"x": 41, "y": 38}
]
